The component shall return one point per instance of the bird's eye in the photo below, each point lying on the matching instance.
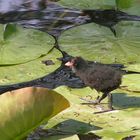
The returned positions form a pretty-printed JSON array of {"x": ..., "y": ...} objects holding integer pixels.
[{"x": 75, "y": 63}]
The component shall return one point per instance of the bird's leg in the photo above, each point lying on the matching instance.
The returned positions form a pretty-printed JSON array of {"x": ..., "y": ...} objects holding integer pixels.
[
  {"x": 113, "y": 30},
  {"x": 110, "y": 100},
  {"x": 102, "y": 97},
  {"x": 97, "y": 101},
  {"x": 97, "y": 97},
  {"x": 109, "y": 103}
]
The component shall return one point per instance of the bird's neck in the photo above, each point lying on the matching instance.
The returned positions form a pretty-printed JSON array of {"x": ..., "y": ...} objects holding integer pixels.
[
  {"x": 79, "y": 68},
  {"x": 74, "y": 69}
]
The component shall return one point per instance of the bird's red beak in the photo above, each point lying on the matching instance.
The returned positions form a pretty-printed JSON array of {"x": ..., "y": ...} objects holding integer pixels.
[{"x": 69, "y": 64}]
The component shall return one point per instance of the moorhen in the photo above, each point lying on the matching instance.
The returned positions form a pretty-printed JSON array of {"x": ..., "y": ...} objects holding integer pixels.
[{"x": 101, "y": 77}]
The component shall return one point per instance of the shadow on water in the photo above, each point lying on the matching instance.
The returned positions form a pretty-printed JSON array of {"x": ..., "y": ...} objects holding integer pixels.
[
  {"x": 123, "y": 101},
  {"x": 41, "y": 15},
  {"x": 75, "y": 126},
  {"x": 69, "y": 128}
]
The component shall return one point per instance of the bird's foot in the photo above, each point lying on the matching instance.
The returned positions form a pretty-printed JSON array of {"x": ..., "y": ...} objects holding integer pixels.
[{"x": 104, "y": 111}]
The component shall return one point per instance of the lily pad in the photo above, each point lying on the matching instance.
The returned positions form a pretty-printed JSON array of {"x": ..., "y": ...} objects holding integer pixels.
[
  {"x": 22, "y": 52},
  {"x": 29, "y": 70},
  {"x": 97, "y": 43},
  {"x": 132, "y": 82},
  {"x": 24, "y": 109},
  {"x": 22, "y": 45},
  {"x": 88, "y": 4},
  {"x": 124, "y": 3}
]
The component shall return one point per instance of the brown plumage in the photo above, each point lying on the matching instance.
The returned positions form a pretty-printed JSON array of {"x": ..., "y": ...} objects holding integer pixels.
[{"x": 101, "y": 77}]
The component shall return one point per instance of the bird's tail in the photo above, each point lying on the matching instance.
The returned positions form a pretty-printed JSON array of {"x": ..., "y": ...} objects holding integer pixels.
[{"x": 130, "y": 72}]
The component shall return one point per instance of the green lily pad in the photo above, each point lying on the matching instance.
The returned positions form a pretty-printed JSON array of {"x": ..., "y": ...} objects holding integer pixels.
[
  {"x": 97, "y": 43},
  {"x": 132, "y": 82},
  {"x": 30, "y": 70},
  {"x": 22, "y": 52},
  {"x": 124, "y": 3},
  {"x": 24, "y": 109},
  {"x": 21, "y": 45},
  {"x": 133, "y": 67},
  {"x": 88, "y": 4}
]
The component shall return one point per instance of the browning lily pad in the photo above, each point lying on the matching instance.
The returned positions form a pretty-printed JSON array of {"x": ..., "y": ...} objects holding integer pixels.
[{"x": 24, "y": 109}]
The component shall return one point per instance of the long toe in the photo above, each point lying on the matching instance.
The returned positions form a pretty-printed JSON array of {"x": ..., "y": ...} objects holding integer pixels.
[{"x": 104, "y": 111}]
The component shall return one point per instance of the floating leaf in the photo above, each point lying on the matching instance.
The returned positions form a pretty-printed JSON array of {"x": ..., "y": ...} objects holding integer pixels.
[
  {"x": 25, "y": 45},
  {"x": 30, "y": 70},
  {"x": 24, "y": 109},
  {"x": 88, "y": 4},
  {"x": 124, "y": 3},
  {"x": 98, "y": 43}
]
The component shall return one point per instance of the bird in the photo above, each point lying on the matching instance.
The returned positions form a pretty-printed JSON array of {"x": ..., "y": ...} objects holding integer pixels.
[
  {"x": 109, "y": 17},
  {"x": 101, "y": 77}
]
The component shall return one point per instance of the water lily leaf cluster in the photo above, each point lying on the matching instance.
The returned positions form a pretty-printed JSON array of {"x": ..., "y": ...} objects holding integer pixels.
[
  {"x": 22, "y": 53},
  {"x": 91, "y": 41}
]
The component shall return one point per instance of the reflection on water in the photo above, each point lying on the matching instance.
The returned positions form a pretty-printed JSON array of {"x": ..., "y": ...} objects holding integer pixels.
[
  {"x": 21, "y": 5},
  {"x": 52, "y": 18},
  {"x": 40, "y": 14}
]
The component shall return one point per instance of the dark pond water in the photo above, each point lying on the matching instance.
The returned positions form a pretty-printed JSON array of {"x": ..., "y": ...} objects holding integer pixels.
[{"x": 41, "y": 15}]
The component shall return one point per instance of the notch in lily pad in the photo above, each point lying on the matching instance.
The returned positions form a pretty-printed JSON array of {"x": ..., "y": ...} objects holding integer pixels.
[{"x": 9, "y": 30}]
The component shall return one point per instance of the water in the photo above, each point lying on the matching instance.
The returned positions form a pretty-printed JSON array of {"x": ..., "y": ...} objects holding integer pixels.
[{"x": 41, "y": 15}]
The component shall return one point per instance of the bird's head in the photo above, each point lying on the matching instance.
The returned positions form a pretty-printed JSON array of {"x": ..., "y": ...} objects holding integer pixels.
[{"x": 77, "y": 63}]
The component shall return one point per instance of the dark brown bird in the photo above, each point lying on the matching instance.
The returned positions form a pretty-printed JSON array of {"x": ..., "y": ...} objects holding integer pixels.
[{"x": 101, "y": 77}]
